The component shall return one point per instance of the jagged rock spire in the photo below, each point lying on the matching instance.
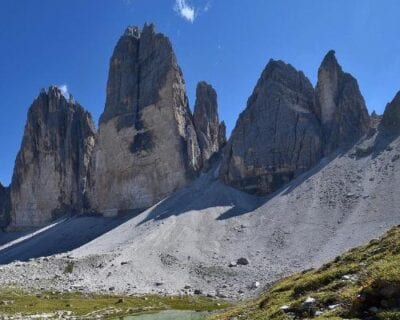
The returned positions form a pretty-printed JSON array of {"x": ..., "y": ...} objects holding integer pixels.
[
  {"x": 210, "y": 132},
  {"x": 147, "y": 145},
  {"x": 339, "y": 105},
  {"x": 50, "y": 169},
  {"x": 277, "y": 136}
]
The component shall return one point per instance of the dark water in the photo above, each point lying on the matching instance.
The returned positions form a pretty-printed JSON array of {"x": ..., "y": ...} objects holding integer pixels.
[{"x": 169, "y": 315}]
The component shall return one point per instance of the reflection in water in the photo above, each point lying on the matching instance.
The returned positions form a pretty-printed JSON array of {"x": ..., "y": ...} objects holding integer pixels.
[{"x": 169, "y": 315}]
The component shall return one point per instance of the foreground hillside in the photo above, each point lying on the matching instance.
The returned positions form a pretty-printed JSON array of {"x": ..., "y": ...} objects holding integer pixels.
[{"x": 363, "y": 283}]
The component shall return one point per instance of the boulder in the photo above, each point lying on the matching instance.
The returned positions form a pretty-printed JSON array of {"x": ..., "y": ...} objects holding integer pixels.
[
  {"x": 147, "y": 145},
  {"x": 50, "y": 171},
  {"x": 277, "y": 136},
  {"x": 339, "y": 105},
  {"x": 242, "y": 261}
]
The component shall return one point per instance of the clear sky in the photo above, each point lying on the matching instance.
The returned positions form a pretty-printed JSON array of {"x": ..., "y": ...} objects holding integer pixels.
[{"x": 225, "y": 42}]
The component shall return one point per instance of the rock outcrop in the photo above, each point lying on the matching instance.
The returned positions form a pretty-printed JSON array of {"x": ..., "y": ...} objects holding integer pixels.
[
  {"x": 50, "y": 170},
  {"x": 147, "y": 145},
  {"x": 277, "y": 136},
  {"x": 4, "y": 206},
  {"x": 211, "y": 134},
  {"x": 339, "y": 105},
  {"x": 391, "y": 116}
]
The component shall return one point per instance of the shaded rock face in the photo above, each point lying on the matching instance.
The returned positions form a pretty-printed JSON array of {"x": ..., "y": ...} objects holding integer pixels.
[
  {"x": 4, "y": 206},
  {"x": 211, "y": 133},
  {"x": 339, "y": 105},
  {"x": 391, "y": 116},
  {"x": 147, "y": 145},
  {"x": 222, "y": 134},
  {"x": 277, "y": 136},
  {"x": 50, "y": 170}
]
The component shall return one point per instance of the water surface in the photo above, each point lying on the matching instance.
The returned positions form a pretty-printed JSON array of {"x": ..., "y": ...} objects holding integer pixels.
[{"x": 169, "y": 315}]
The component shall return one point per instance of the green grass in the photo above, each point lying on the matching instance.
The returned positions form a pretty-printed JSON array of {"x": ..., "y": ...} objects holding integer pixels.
[
  {"x": 375, "y": 269},
  {"x": 27, "y": 303}
]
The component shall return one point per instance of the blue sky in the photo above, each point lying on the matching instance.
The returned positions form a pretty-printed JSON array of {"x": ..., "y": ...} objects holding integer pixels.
[{"x": 225, "y": 42}]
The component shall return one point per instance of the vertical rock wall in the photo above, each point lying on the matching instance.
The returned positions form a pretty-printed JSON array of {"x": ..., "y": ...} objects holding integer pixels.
[
  {"x": 339, "y": 105},
  {"x": 147, "y": 145},
  {"x": 210, "y": 132},
  {"x": 277, "y": 136},
  {"x": 50, "y": 171}
]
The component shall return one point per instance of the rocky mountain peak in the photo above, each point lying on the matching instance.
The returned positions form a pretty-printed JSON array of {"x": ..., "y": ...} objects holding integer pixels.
[
  {"x": 284, "y": 76},
  {"x": 277, "y": 136},
  {"x": 147, "y": 145},
  {"x": 330, "y": 61},
  {"x": 51, "y": 167},
  {"x": 136, "y": 32},
  {"x": 391, "y": 116},
  {"x": 210, "y": 133},
  {"x": 132, "y": 31},
  {"x": 339, "y": 105}
]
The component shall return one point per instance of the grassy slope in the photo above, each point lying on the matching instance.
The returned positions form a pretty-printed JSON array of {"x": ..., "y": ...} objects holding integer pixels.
[
  {"x": 15, "y": 301},
  {"x": 359, "y": 281}
]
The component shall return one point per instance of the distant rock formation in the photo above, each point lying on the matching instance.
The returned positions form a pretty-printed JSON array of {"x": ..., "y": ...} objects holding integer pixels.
[
  {"x": 211, "y": 134},
  {"x": 339, "y": 105},
  {"x": 277, "y": 136},
  {"x": 147, "y": 145},
  {"x": 50, "y": 170},
  {"x": 4, "y": 206},
  {"x": 391, "y": 116}
]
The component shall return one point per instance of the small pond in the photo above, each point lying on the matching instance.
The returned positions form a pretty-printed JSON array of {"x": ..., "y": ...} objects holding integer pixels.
[{"x": 169, "y": 315}]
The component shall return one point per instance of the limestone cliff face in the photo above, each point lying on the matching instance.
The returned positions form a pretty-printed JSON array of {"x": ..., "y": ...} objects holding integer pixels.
[
  {"x": 4, "y": 206},
  {"x": 147, "y": 145},
  {"x": 50, "y": 170},
  {"x": 391, "y": 116},
  {"x": 277, "y": 136},
  {"x": 210, "y": 132},
  {"x": 339, "y": 105}
]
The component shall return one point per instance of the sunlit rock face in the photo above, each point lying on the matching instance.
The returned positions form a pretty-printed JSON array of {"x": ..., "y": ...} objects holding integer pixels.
[
  {"x": 277, "y": 136},
  {"x": 211, "y": 134},
  {"x": 50, "y": 171},
  {"x": 147, "y": 145},
  {"x": 339, "y": 105}
]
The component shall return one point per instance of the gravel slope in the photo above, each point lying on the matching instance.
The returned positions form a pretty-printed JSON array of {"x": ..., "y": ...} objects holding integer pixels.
[{"x": 189, "y": 239}]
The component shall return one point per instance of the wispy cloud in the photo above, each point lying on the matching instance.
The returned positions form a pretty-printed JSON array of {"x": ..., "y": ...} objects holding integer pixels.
[
  {"x": 128, "y": 2},
  {"x": 64, "y": 90},
  {"x": 207, "y": 6},
  {"x": 185, "y": 10}
]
